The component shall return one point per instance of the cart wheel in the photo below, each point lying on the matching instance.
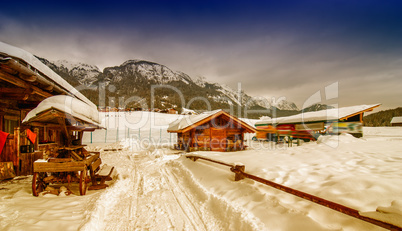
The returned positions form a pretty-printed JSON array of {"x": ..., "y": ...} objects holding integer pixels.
[
  {"x": 37, "y": 183},
  {"x": 83, "y": 182}
]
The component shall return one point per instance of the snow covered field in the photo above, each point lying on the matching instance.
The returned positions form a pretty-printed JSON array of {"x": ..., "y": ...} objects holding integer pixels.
[
  {"x": 156, "y": 188},
  {"x": 145, "y": 126}
]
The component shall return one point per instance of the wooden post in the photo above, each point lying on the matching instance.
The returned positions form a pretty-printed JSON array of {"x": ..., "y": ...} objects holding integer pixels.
[
  {"x": 242, "y": 139},
  {"x": 45, "y": 133},
  {"x": 64, "y": 130},
  {"x": 238, "y": 169},
  {"x": 1, "y": 120},
  {"x": 36, "y": 145},
  {"x": 17, "y": 141}
]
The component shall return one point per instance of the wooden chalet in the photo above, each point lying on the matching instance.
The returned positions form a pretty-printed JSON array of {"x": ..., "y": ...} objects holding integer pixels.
[
  {"x": 309, "y": 125},
  {"x": 24, "y": 82},
  {"x": 210, "y": 131},
  {"x": 396, "y": 121}
]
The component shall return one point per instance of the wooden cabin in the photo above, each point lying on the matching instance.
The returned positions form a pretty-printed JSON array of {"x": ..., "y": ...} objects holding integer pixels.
[
  {"x": 24, "y": 82},
  {"x": 210, "y": 131},
  {"x": 309, "y": 125},
  {"x": 396, "y": 121}
]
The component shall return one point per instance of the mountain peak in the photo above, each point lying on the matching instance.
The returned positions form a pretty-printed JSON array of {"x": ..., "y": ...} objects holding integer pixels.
[
  {"x": 135, "y": 77},
  {"x": 317, "y": 107},
  {"x": 138, "y": 61},
  {"x": 69, "y": 65}
]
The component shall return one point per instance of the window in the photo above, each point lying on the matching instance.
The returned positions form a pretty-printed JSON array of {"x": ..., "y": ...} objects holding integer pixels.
[{"x": 9, "y": 125}]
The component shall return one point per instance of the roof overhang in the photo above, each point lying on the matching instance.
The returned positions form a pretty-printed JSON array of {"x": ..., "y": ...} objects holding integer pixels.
[{"x": 247, "y": 128}]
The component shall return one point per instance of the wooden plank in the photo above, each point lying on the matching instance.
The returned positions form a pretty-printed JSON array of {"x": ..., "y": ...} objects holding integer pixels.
[
  {"x": 91, "y": 158},
  {"x": 75, "y": 155},
  {"x": 59, "y": 167},
  {"x": 75, "y": 147},
  {"x": 95, "y": 164},
  {"x": 59, "y": 160},
  {"x": 26, "y": 162}
]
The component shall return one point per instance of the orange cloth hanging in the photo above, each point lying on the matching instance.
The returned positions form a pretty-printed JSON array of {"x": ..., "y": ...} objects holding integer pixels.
[
  {"x": 31, "y": 136},
  {"x": 3, "y": 138}
]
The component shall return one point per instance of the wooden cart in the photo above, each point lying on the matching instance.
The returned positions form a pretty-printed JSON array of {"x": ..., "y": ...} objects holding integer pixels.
[
  {"x": 65, "y": 171},
  {"x": 70, "y": 163}
]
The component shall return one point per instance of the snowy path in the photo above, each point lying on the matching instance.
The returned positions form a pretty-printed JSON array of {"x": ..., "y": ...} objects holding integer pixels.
[
  {"x": 156, "y": 200},
  {"x": 154, "y": 193}
]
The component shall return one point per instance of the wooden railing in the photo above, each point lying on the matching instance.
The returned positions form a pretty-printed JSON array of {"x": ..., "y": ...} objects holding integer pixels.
[{"x": 239, "y": 170}]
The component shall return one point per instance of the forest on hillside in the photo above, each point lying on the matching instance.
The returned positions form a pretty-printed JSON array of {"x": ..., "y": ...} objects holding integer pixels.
[{"x": 381, "y": 118}]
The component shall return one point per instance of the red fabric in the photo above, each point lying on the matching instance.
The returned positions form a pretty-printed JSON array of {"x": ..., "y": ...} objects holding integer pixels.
[
  {"x": 31, "y": 136},
  {"x": 3, "y": 138}
]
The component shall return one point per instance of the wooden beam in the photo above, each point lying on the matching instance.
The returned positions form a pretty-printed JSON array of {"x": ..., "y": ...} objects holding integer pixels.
[
  {"x": 49, "y": 88},
  {"x": 12, "y": 90},
  {"x": 64, "y": 129},
  {"x": 29, "y": 78},
  {"x": 21, "y": 83},
  {"x": 15, "y": 96},
  {"x": 47, "y": 125}
]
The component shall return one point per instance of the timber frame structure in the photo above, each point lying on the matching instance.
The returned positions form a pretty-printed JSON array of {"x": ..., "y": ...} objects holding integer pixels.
[
  {"x": 24, "y": 82},
  {"x": 211, "y": 131}
]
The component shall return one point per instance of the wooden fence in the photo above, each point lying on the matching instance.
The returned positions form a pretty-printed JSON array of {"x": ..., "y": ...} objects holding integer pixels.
[{"x": 239, "y": 170}]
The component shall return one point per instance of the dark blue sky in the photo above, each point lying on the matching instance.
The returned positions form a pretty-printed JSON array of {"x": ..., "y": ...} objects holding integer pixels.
[{"x": 275, "y": 49}]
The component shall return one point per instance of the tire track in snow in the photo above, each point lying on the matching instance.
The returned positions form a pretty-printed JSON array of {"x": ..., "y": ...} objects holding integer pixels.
[
  {"x": 154, "y": 193},
  {"x": 184, "y": 201}
]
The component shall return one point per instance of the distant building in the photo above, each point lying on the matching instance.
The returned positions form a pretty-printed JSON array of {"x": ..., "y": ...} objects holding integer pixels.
[
  {"x": 396, "y": 121},
  {"x": 309, "y": 125},
  {"x": 210, "y": 131},
  {"x": 172, "y": 111}
]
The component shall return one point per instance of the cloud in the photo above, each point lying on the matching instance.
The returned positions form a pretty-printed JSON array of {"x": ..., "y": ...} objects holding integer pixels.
[{"x": 273, "y": 50}]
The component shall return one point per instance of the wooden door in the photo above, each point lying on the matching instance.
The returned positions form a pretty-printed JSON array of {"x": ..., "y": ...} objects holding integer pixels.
[{"x": 218, "y": 139}]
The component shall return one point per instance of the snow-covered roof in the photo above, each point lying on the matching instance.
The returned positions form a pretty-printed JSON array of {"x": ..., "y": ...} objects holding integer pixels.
[
  {"x": 186, "y": 111},
  {"x": 30, "y": 59},
  {"x": 67, "y": 104},
  {"x": 324, "y": 115},
  {"x": 188, "y": 120},
  {"x": 397, "y": 119}
]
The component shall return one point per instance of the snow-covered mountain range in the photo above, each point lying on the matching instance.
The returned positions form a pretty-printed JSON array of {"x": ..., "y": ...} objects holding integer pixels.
[{"x": 136, "y": 78}]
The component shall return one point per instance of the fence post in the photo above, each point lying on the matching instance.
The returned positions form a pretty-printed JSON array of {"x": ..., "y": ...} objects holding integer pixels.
[
  {"x": 91, "y": 137},
  {"x": 238, "y": 170}
]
